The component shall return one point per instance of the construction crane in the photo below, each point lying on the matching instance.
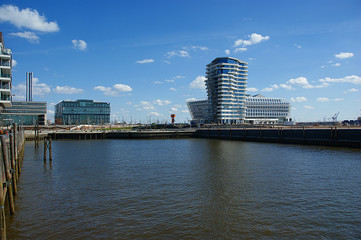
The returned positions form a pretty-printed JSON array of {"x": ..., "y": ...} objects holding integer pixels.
[{"x": 334, "y": 118}]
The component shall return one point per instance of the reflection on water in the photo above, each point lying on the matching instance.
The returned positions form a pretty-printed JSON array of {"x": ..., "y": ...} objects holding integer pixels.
[{"x": 190, "y": 188}]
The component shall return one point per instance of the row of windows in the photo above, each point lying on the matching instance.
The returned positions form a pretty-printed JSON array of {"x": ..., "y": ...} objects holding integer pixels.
[{"x": 85, "y": 104}]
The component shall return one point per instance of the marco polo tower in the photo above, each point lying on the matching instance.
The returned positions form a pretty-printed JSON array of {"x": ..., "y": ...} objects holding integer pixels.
[{"x": 226, "y": 89}]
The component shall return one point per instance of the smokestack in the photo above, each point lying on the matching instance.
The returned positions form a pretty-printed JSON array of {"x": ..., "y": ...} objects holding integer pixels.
[{"x": 29, "y": 86}]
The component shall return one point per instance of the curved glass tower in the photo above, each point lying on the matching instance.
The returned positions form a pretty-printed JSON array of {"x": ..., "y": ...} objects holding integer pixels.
[{"x": 226, "y": 89}]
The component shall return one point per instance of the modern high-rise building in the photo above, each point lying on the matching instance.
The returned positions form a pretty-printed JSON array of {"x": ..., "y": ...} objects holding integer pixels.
[
  {"x": 226, "y": 89},
  {"x": 5, "y": 74},
  {"x": 82, "y": 112},
  {"x": 228, "y": 102}
]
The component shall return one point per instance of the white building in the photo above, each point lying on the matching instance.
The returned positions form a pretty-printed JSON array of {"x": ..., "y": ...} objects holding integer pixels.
[
  {"x": 259, "y": 110},
  {"x": 5, "y": 74},
  {"x": 264, "y": 110},
  {"x": 226, "y": 89}
]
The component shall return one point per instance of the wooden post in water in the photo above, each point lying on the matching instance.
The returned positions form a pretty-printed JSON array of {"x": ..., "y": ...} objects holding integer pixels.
[
  {"x": 36, "y": 134},
  {"x": 7, "y": 175},
  {"x": 50, "y": 154},
  {"x": 3, "y": 223},
  {"x": 12, "y": 160},
  {"x": 45, "y": 147},
  {"x": 47, "y": 144}
]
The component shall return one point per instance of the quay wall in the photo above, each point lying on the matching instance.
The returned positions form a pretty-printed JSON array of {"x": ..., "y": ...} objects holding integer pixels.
[
  {"x": 323, "y": 137},
  {"x": 120, "y": 135},
  {"x": 335, "y": 137}
]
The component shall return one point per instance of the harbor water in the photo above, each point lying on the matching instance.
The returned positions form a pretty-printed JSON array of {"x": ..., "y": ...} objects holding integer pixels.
[{"x": 187, "y": 189}]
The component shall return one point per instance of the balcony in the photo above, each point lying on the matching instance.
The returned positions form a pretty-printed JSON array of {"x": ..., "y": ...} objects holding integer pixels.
[
  {"x": 4, "y": 75},
  {"x": 5, "y": 85}
]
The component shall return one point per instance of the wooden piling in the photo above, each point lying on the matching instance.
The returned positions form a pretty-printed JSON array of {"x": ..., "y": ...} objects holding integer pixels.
[
  {"x": 7, "y": 175},
  {"x": 13, "y": 165},
  {"x": 45, "y": 147},
  {"x": 50, "y": 153}
]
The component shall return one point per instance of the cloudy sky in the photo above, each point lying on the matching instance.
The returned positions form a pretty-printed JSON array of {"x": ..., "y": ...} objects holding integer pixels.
[{"x": 147, "y": 58}]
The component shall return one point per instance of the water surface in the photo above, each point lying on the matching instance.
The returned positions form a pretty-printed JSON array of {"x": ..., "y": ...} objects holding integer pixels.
[{"x": 188, "y": 189}]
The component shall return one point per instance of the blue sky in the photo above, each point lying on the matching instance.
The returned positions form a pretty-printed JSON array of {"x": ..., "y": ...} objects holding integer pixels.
[{"x": 147, "y": 58}]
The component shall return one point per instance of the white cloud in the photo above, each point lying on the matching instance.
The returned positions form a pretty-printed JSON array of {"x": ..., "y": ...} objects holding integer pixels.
[
  {"x": 185, "y": 111},
  {"x": 338, "y": 99},
  {"x": 351, "y": 90},
  {"x": 156, "y": 114},
  {"x": 177, "y": 53},
  {"x": 297, "y": 46},
  {"x": 103, "y": 89},
  {"x": 191, "y": 99},
  {"x": 79, "y": 44},
  {"x": 198, "y": 82},
  {"x": 254, "y": 38},
  {"x": 158, "y": 82},
  {"x": 285, "y": 86},
  {"x": 174, "y": 109},
  {"x": 148, "y": 60},
  {"x": 251, "y": 89},
  {"x": 146, "y": 105},
  {"x": 267, "y": 89},
  {"x": 161, "y": 102},
  {"x": 67, "y": 90},
  {"x": 242, "y": 49},
  {"x": 172, "y": 89},
  {"x": 173, "y": 79},
  {"x": 194, "y": 48},
  {"x": 129, "y": 103},
  {"x": 27, "y": 18},
  {"x": 39, "y": 89},
  {"x": 13, "y": 62},
  {"x": 303, "y": 82},
  {"x": 344, "y": 55},
  {"x": 227, "y": 51},
  {"x": 336, "y": 64},
  {"x": 115, "y": 90},
  {"x": 308, "y": 107},
  {"x": 322, "y": 99},
  {"x": 122, "y": 88},
  {"x": 348, "y": 79},
  {"x": 30, "y": 36},
  {"x": 298, "y": 99}
]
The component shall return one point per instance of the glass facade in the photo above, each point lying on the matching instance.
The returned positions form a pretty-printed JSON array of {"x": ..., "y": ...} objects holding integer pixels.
[
  {"x": 24, "y": 113},
  {"x": 226, "y": 89},
  {"x": 82, "y": 112}
]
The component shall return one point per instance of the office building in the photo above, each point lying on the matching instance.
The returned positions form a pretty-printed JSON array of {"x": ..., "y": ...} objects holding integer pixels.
[
  {"x": 199, "y": 111},
  {"x": 5, "y": 74},
  {"x": 265, "y": 110},
  {"x": 259, "y": 110},
  {"x": 82, "y": 112},
  {"x": 226, "y": 89},
  {"x": 24, "y": 113}
]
